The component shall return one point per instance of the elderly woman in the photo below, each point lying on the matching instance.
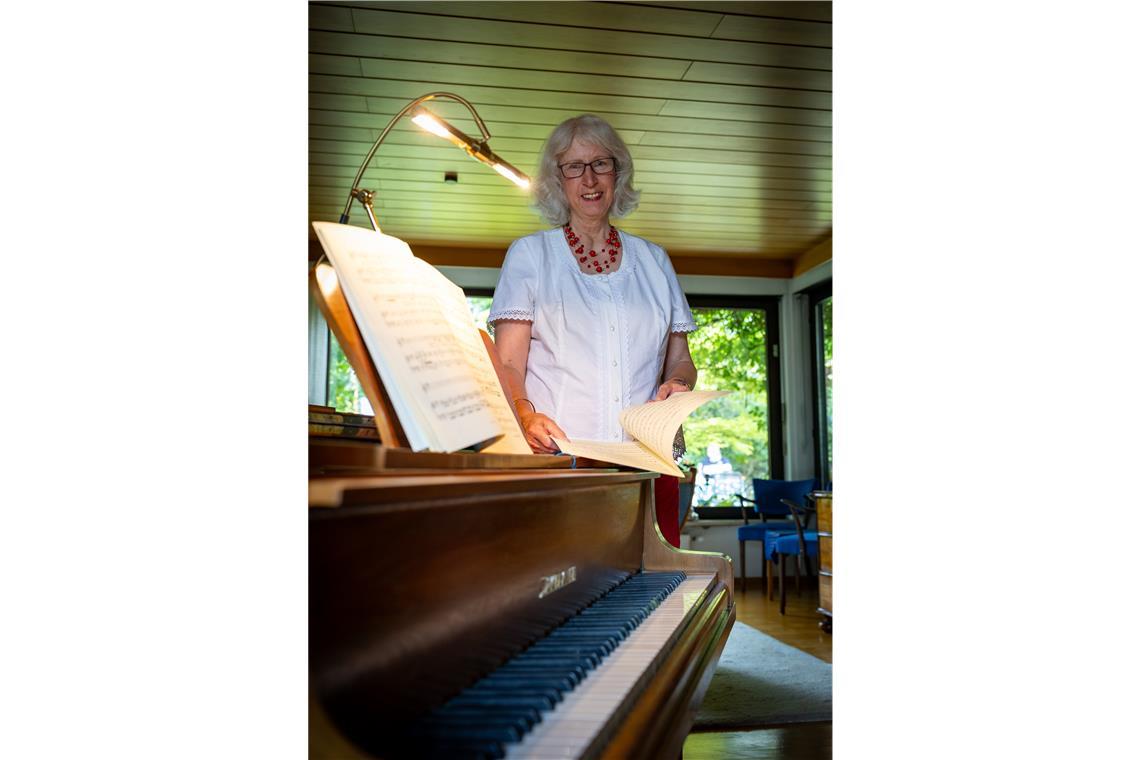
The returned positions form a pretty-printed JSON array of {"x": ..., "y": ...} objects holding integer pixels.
[{"x": 588, "y": 319}]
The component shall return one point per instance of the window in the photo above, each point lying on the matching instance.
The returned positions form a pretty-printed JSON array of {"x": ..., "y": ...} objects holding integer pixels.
[
  {"x": 729, "y": 439},
  {"x": 480, "y": 306},
  {"x": 345, "y": 393}
]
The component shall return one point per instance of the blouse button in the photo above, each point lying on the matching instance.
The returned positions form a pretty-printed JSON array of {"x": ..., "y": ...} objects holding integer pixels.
[{"x": 611, "y": 328}]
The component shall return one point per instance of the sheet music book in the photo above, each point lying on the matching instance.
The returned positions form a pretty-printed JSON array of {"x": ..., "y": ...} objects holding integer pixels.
[
  {"x": 426, "y": 348},
  {"x": 653, "y": 426}
]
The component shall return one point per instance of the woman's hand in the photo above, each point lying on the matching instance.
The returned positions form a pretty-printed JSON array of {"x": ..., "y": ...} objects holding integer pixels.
[
  {"x": 538, "y": 429},
  {"x": 679, "y": 371},
  {"x": 671, "y": 386}
]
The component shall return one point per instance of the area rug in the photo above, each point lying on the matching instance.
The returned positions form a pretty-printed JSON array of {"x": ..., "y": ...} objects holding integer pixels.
[{"x": 760, "y": 682}]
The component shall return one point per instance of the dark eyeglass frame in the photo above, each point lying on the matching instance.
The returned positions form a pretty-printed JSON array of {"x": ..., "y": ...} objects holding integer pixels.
[{"x": 562, "y": 170}]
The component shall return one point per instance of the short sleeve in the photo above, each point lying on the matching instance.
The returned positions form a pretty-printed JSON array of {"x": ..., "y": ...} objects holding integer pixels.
[
  {"x": 682, "y": 317},
  {"x": 518, "y": 280}
]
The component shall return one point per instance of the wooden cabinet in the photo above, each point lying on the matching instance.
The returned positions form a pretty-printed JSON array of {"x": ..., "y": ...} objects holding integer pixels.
[{"x": 823, "y": 515}]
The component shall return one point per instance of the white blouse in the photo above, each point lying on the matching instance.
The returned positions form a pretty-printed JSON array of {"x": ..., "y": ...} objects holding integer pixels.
[{"x": 597, "y": 341}]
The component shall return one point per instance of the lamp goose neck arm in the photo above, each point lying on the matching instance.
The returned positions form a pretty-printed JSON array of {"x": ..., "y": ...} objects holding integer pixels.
[{"x": 353, "y": 192}]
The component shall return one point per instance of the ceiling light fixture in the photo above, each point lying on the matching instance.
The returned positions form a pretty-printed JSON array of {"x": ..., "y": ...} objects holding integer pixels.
[{"x": 477, "y": 149}]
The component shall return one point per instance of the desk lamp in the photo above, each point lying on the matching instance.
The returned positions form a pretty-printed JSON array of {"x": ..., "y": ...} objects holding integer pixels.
[{"x": 477, "y": 149}]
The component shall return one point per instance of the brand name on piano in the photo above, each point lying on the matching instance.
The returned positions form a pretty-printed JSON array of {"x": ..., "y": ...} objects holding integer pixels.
[{"x": 552, "y": 583}]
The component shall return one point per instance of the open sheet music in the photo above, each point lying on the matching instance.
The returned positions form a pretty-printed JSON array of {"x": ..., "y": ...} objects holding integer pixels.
[
  {"x": 653, "y": 425},
  {"x": 426, "y": 348}
]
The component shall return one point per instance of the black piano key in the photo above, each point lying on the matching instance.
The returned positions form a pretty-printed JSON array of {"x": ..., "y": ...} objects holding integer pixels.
[
  {"x": 610, "y": 637},
  {"x": 560, "y": 683},
  {"x": 545, "y": 655},
  {"x": 577, "y": 664},
  {"x": 606, "y": 630},
  {"x": 447, "y": 721},
  {"x": 602, "y": 631},
  {"x": 538, "y": 703},
  {"x": 581, "y": 639},
  {"x": 601, "y": 624},
  {"x": 546, "y": 660},
  {"x": 570, "y": 677},
  {"x": 604, "y": 613},
  {"x": 522, "y": 717},
  {"x": 458, "y": 734},
  {"x": 576, "y": 629},
  {"x": 541, "y": 662},
  {"x": 607, "y": 620},
  {"x": 573, "y": 672},
  {"x": 516, "y": 689},
  {"x": 591, "y": 655},
  {"x": 521, "y": 705},
  {"x": 446, "y": 750}
]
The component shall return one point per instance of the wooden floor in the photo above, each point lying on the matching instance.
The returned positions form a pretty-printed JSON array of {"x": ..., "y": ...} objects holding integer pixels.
[{"x": 799, "y": 628}]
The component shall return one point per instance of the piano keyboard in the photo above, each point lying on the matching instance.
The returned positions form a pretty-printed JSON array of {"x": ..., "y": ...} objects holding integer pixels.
[
  {"x": 570, "y": 729},
  {"x": 553, "y": 698}
]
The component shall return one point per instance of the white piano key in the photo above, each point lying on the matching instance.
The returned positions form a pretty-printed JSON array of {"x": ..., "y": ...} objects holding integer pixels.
[{"x": 568, "y": 729}]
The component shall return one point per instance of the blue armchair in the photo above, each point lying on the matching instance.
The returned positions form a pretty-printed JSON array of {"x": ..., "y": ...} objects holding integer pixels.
[
  {"x": 801, "y": 544},
  {"x": 765, "y": 505}
]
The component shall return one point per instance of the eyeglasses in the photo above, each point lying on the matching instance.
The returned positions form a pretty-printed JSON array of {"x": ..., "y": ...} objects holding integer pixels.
[{"x": 575, "y": 169}]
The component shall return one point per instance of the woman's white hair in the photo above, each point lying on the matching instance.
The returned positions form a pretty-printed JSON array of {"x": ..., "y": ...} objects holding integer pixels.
[{"x": 548, "y": 197}]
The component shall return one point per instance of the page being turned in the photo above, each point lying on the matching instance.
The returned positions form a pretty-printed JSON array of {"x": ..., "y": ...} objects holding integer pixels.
[
  {"x": 629, "y": 454},
  {"x": 655, "y": 424}
]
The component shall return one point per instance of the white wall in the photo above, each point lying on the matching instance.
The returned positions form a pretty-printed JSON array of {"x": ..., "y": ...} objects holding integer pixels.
[
  {"x": 471, "y": 277},
  {"x": 722, "y": 539},
  {"x": 700, "y": 284}
]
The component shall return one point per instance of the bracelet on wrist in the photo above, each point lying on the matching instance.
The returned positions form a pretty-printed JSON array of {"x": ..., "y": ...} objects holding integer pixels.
[
  {"x": 527, "y": 400},
  {"x": 685, "y": 383}
]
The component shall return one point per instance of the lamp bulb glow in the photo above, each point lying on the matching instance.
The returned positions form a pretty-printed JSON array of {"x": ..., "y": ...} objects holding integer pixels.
[
  {"x": 426, "y": 121},
  {"x": 523, "y": 183}
]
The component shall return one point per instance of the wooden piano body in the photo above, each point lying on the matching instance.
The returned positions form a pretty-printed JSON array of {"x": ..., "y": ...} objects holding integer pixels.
[{"x": 422, "y": 581}]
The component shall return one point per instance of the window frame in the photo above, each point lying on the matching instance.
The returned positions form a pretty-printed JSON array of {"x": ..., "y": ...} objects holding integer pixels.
[
  {"x": 320, "y": 354},
  {"x": 816, "y": 295}
]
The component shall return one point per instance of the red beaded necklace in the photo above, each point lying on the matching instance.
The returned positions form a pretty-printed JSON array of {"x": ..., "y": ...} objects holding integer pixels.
[{"x": 612, "y": 240}]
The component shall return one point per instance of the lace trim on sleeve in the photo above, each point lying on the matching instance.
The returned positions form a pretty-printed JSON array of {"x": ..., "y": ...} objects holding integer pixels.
[
  {"x": 522, "y": 315},
  {"x": 683, "y": 327}
]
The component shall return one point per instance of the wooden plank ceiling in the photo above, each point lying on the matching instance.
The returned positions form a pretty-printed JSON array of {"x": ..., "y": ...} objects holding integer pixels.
[{"x": 726, "y": 107}]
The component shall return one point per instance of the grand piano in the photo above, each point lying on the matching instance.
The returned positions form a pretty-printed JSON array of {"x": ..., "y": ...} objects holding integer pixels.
[{"x": 458, "y": 612}]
